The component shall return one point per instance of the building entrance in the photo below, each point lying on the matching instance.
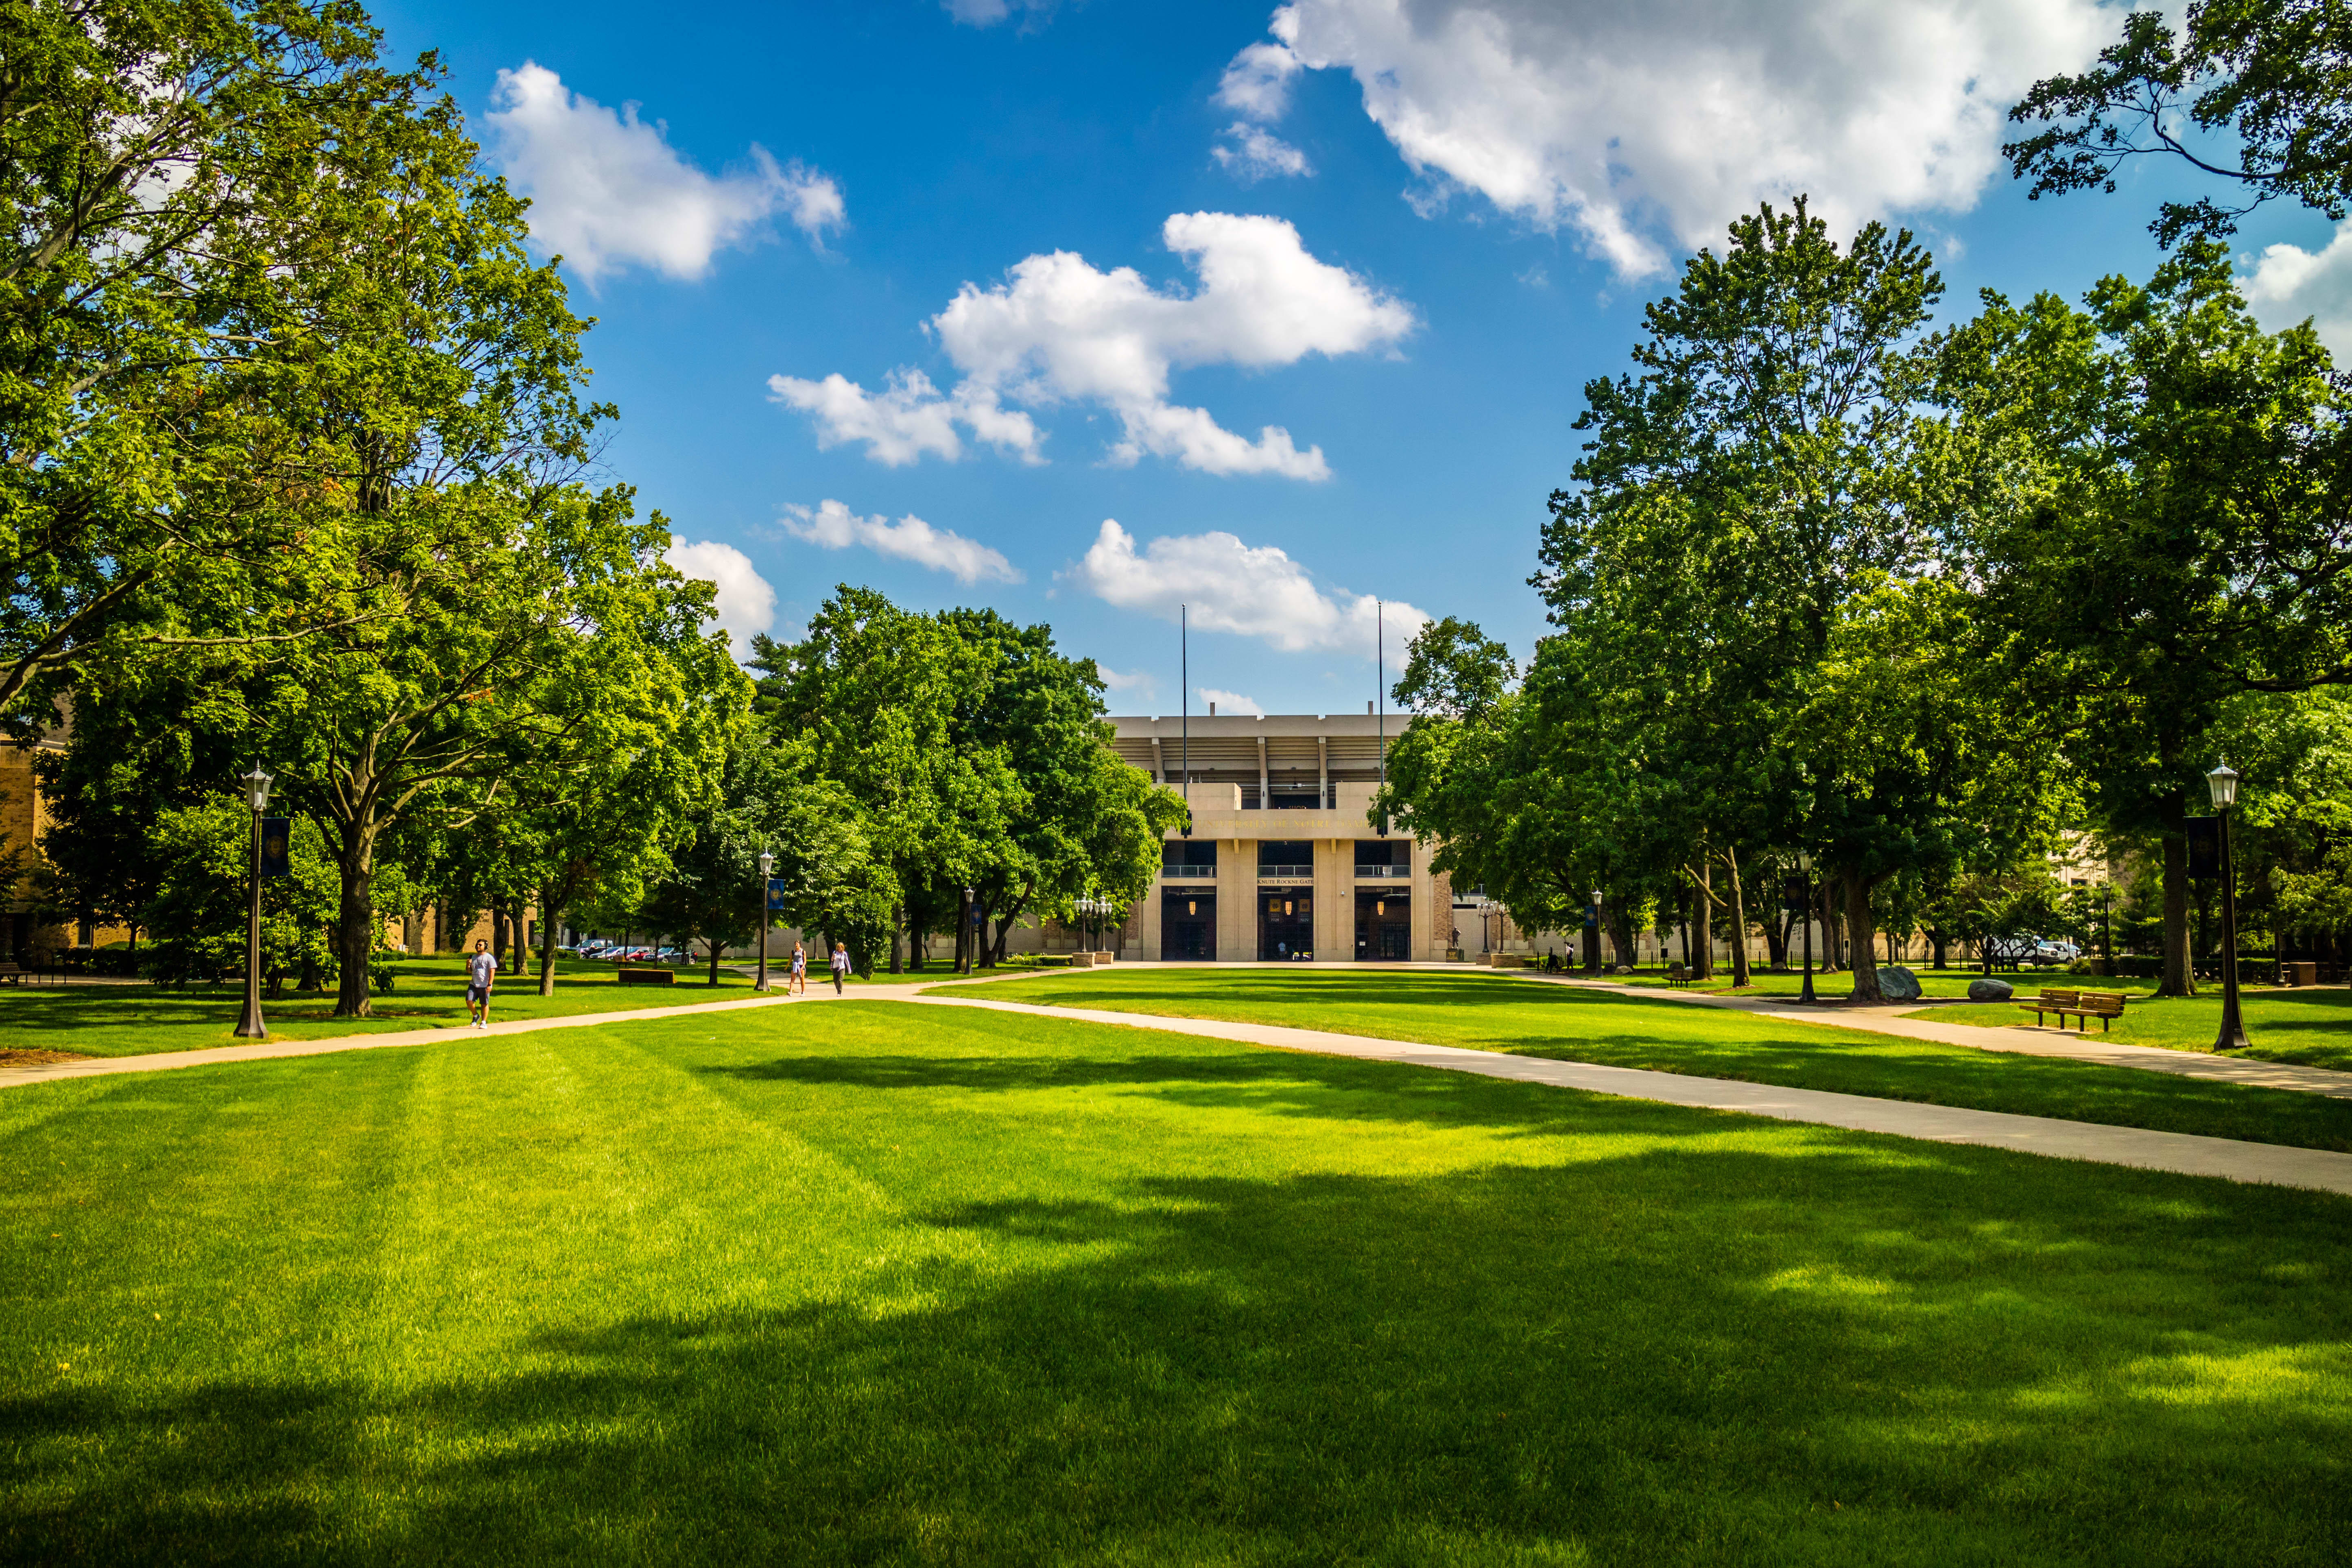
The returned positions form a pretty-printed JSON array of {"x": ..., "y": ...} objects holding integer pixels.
[
  {"x": 1188, "y": 925},
  {"x": 1383, "y": 924},
  {"x": 1286, "y": 925}
]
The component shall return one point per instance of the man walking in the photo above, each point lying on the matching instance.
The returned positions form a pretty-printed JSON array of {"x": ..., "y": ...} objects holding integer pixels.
[
  {"x": 840, "y": 966},
  {"x": 481, "y": 972}
]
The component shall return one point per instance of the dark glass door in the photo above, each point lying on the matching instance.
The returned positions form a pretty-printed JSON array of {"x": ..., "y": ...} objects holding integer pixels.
[
  {"x": 1188, "y": 926},
  {"x": 1286, "y": 925},
  {"x": 1383, "y": 925}
]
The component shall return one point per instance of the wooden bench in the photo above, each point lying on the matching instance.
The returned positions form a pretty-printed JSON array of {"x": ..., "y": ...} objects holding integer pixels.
[
  {"x": 2083, "y": 1006},
  {"x": 1677, "y": 976},
  {"x": 646, "y": 976},
  {"x": 12, "y": 974}
]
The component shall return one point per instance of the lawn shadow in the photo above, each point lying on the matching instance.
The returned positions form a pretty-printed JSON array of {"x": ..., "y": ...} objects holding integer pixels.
[{"x": 1664, "y": 1357}]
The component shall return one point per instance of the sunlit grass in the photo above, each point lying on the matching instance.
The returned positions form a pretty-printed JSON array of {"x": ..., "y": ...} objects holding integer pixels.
[
  {"x": 2310, "y": 1027},
  {"x": 894, "y": 1284},
  {"x": 1629, "y": 1029}
]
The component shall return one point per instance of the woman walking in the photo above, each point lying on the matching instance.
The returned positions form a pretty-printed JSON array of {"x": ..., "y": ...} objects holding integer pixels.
[
  {"x": 798, "y": 984},
  {"x": 840, "y": 966}
]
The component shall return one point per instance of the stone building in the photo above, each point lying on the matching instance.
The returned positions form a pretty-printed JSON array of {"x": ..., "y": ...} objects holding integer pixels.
[{"x": 1280, "y": 863}]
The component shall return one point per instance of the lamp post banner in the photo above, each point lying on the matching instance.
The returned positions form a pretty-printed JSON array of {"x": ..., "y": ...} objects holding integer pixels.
[
  {"x": 1796, "y": 895},
  {"x": 277, "y": 833},
  {"x": 776, "y": 894},
  {"x": 2204, "y": 847}
]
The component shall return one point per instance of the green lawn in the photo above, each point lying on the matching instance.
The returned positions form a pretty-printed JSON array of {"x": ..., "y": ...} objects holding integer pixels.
[
  {"x": 1634, "y": 1031},
  {"x": 1837, "y": 986},
  {"x": 428, "y": 993},
  {"x": 899, "y": 1285},
  {"x": 2311, "y": 1027}
]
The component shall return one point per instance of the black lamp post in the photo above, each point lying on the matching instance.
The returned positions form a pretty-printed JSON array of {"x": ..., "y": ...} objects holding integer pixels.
[
  {"x": 250, "y": 1026},
  {"x": 767, "y": 870},
  {"x": 970, "y": 938},
  {"x": 2232, "y": 1037},
  {"x": 2107, "y": 927},
  {"x": 1592, "y": 954},
  {"x": 1805, "y": 871}
]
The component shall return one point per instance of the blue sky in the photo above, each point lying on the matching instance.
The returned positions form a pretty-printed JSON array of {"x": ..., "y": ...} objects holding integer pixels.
[{"x": 1428, "y": 228}]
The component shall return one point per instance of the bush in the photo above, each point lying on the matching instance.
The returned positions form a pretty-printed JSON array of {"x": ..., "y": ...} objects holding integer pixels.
[{"x": 379, "y": 976}]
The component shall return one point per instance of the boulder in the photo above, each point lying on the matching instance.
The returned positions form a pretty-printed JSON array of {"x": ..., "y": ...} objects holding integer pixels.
[
  {"x": 1984, "y": 988},
  {"x": 1897, "y": 984}
]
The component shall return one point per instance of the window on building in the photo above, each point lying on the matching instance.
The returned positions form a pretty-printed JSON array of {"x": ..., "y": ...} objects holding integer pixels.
[{"x": 1285, "y": 857}]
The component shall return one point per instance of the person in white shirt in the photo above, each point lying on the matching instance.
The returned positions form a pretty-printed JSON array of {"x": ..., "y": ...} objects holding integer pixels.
[{"x": 481, "y": 974}]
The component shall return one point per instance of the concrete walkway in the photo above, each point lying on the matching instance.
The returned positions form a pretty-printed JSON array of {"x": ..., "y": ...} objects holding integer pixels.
[
  {"x": 2025, "y": 1042},
  {"x": 2275, "y": 1165}
]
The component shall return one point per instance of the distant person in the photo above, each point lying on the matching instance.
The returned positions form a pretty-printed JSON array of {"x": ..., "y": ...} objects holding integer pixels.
[
  {"x": 798, "y": 984},
  {"x": 840, "y": 966},
  {"x": 481, "y": 974}
]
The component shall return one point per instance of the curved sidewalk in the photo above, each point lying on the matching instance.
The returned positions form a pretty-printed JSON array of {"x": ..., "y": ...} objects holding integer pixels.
[{"x": 2185, "y": 1153}]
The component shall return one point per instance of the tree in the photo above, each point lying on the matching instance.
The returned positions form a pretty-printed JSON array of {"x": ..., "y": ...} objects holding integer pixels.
[
  {"x": 2267, "y": 73},
  {"x": 166, "y": 170},
  {"x": 711, "y": 886},
  {"x": 2155, "y": 514},
  {"x": 1740, "y": 562},
  {"x": 203, "y": 904}
]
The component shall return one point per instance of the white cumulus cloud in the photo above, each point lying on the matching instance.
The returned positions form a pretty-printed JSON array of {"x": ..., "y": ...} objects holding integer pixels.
[
  {"x": 608, "y": 192},
  {"x": 1252, "y": 153},
  {"x": 1126, "y": 681},
  {"x": 833, "y": 526},
  {"x": 1255, "y": 591},
  {"x": 1232, "y": 703},
  {"x": 1061, "y": 329},
  {"x": 746, "y": 603},
  {"x": 2290, "y": 285},
  {"x": 1651, "y": 125}
]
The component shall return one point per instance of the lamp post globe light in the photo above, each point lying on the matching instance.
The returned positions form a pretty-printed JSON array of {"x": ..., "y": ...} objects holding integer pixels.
[
  {"x": 2223, "y": 782},
  {"x": 250, "y": 1026},
  {"x": 767, "y": 870},
  {"x": 1805, "y": 871},
  {"x": 969, "y": 940}
]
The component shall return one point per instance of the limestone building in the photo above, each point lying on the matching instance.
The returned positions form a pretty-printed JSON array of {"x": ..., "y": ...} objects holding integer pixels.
[{"x": 1281, "y": 863}]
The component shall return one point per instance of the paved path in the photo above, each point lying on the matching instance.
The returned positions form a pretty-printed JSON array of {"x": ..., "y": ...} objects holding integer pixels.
[
  {"x": 266, "y": 1050},
  {"x": 2276, "y": 1165}
]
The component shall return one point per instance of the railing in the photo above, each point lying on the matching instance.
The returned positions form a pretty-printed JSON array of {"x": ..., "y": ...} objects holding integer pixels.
[
  {"x": 1203, "y": 871},
  {"x": 1265, "y": 870},
  {"x": 1291, "y": 799},
  {"x": 1377, "y": 870}
]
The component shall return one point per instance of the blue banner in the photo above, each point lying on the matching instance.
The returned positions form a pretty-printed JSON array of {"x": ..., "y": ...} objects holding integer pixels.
[
  {"x": 276, "y": 859},
  {"x": 776, "y": 894}
]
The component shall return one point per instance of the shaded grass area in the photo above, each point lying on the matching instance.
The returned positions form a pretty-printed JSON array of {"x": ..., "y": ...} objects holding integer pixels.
[
  {"x": 1836, "y": 985},
  {"x": 895, "y": 1285},
  {"x": 1616, "y": 1029},
  {"x": 428, "y": 993},
  {"x": 2310, "y": 1027}
]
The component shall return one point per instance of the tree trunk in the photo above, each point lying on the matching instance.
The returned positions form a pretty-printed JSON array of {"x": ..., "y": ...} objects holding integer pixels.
[
  {"x": 411, "y": 930},
  {"x": 355, "y": 935},
  {"x": 2179, "y": 979},
  {"x": 1621, "y": 932},
  {"x": 1864, "y": 940},
  {"x": 897, "y": 941},
  {"x": 499, "y": 930},
  {"x": 547, "y": 929},
  {"x": 1741, "y": 978},
  {"x": 1702, "y": 906},
  {"x": 1937, "y": 942}
]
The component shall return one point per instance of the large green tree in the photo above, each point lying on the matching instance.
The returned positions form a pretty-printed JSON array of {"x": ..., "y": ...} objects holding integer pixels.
[{"x": 2150, "y": 495}]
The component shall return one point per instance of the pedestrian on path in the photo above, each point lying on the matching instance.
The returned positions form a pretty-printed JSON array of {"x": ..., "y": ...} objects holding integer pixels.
[
  {"x": 840, "y": 966},
  {"x": 798, "y": 984},
  {"x": 481, "y": 974}
]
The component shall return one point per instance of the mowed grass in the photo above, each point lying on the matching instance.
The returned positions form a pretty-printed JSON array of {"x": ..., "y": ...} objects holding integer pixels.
[
  {"x": 881, "y": 1283},
  {"x": 2310, "y": 1027},
  {"x": 1835, "y": 985},
  {"x": 427, "y": 994},
  {"x": 1622, "y": 1029}
]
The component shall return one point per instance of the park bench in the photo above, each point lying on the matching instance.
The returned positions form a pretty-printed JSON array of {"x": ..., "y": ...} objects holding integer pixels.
[
  {"x": 628, "y": 976},
  {"x": 1677, "y": 976},
  {"x": 2082, "y": 1005},
  {"x": 12, "y": 974}
]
